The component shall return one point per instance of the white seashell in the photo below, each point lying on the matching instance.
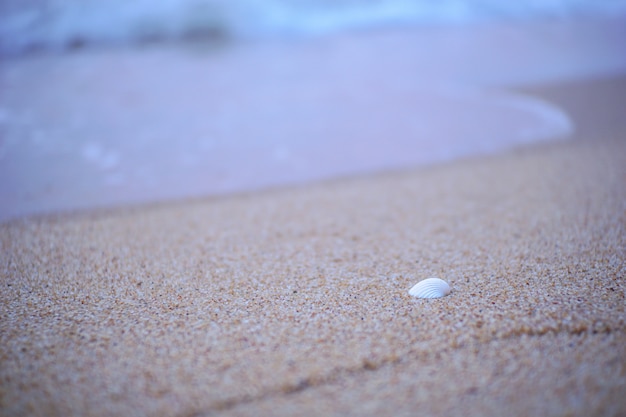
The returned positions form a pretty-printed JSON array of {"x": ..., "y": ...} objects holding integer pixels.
[{"x": 430, "y": 288}]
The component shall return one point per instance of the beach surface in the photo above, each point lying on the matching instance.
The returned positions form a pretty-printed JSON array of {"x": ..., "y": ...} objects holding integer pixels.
[{"x": 294, "y": 300}]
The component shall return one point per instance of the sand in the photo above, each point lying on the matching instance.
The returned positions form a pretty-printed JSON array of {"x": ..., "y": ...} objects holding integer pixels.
[{"x": 294, "y": 300}]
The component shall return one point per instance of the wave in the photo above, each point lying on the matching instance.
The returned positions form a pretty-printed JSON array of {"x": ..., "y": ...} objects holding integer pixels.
[{"x": 31, "y": 25}]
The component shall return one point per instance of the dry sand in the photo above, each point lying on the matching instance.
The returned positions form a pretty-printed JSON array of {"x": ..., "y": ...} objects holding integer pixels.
[{"x": 294, "y": 301}]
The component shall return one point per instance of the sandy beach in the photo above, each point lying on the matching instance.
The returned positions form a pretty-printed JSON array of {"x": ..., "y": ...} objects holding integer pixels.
[
  {"x": 144, "y": 275},
  {"x": 294, "y": 301}
]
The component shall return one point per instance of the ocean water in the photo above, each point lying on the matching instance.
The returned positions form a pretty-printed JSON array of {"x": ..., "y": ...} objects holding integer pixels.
[
  {"x": 241, "y": 106},
  {"x": 32, "y": 25}
]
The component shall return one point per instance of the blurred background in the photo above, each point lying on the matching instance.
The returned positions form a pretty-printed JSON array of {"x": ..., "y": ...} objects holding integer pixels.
[
  {"x": 108, "y": 103},
  {"x": 31, "y": 25}
]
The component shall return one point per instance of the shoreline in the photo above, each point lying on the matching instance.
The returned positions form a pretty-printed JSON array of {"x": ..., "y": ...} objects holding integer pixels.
[
  {"x": 573, "y": 98},
  {"x": 275, "y": 114},
  {"x": 295, "y": 300}
]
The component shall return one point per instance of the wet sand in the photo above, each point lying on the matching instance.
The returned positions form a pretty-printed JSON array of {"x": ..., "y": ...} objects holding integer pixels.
[{"x": 294, "y": 300}]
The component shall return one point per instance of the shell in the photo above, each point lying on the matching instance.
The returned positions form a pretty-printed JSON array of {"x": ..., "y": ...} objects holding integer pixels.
[{"x": 430, "y": 288}]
